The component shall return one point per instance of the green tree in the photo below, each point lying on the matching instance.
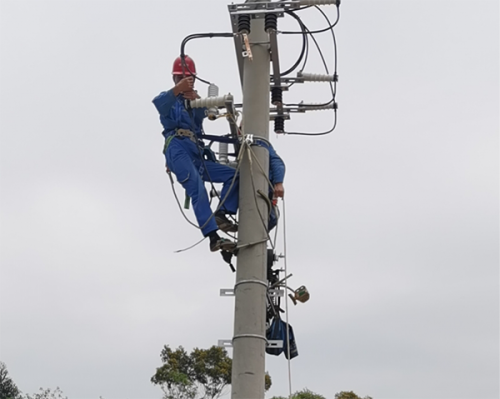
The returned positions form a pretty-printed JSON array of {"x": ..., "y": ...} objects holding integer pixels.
[
  {"x": 183, "y": 375},
  {"x": 46, "y": 394},
  {"x": 349, "y": 395},
  {"x": 307, "y": 394},
  {"x": 212, "y": 369},
  {"x": 8, "y": 389}
]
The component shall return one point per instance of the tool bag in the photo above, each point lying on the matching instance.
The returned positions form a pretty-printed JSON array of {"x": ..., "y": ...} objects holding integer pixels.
[{"x": 277, "y": 331}]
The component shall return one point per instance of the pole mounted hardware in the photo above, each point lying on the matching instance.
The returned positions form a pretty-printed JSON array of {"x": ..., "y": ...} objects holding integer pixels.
[
  {"x": 315, "y": 77},
  {"x": 212, "y": 112},
  {"x": 209, "y": 102},
  {"x": 228, "y": 343}
]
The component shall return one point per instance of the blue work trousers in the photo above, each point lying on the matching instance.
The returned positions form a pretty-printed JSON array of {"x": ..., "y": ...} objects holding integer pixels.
[{"x": 184, "y": 158}]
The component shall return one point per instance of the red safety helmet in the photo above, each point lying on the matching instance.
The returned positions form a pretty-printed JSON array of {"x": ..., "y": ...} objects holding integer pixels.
[{"x": 187, "y": 69}]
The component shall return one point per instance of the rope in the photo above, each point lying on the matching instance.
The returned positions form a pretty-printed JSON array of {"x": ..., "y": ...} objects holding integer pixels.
[
  {"x": 192, "y": 246},
  {"x": 264, "y": 222},
  {"x": 276, "y": 210},
  {"x": 286, "y": 308},
  {"x": 178, "y": 202}
]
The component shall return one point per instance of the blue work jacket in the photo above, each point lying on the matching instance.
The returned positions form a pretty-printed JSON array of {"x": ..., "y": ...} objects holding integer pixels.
[
  {"x": 174, "y": 115},
  {"x": 276, "y": 164},
  {"x": 276, "y": 167}
]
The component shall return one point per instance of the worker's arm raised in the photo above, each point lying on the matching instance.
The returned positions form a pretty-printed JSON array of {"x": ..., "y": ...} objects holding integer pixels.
[{"x": 164, "y": 101}]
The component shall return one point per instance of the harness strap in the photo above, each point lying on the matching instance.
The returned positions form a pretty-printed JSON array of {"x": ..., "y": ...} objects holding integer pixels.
[
  {"x": 179, "y": 133},
  {"x": 186, "y": 133},
  {"x": 167, "y": 143}
]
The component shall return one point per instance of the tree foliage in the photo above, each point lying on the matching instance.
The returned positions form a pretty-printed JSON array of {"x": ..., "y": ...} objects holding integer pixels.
[
  {"x": 8, "y": 389},
  {"x": 349, "y": 395},
  {"x": 307, "y": 394},
  {"x": 46, "y": 394},
  {"x": 182, "y": 374},
  {"x": 304, "y": 394}
]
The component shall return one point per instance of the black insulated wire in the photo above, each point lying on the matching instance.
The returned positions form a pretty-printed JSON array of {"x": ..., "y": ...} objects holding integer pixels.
[
  {"x": 198, "y": 36},
  {"x": 304, "y": 44},
  {"x": 330, "y": 27},
  {"x": 333, "y": 86}
]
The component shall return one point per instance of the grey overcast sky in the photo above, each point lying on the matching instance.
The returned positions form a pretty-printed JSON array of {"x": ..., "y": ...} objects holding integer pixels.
[{"x": 392, "y": 220}]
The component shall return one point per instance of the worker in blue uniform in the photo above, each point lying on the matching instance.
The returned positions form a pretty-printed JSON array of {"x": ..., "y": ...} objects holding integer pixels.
[
  {"x": 276, "y": 177},
  {"x": 184, "y": 150}
]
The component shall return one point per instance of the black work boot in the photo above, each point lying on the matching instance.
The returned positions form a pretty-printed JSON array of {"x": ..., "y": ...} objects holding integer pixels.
[
  {"x": 224, "y": 223},
  {"x": 217, "y": 242},
  {"x": 223, "y": 244}
]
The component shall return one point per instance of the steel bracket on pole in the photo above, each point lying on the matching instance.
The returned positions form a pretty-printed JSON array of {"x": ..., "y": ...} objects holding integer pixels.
[
  {"x": 259, "y": 9},
  {"x": 284, "y": 115},
  {"x": 272, "y": 292},
  {"x": 227, "y": 292},
  {"x": 255, "y": 10},
  {"x": 273, "y": 343}
]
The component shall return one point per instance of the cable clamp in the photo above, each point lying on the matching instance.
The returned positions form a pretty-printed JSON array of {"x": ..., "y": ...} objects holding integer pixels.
[
  {"x": 250, "y": 336},
  {"x": 248, "y": 51},
  {"x": 260, "y": 282},
  {"x": 228, "y": 343}
]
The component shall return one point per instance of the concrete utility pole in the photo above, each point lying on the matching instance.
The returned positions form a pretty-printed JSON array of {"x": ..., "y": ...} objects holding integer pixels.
[{"x": 249, "y": 342}]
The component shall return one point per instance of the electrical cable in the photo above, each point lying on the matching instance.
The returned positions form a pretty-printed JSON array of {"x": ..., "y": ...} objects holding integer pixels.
[
  {"x": 190, "y": 247},
  {"x": 304, "y": 44},
  {"x": 264, "y": 222},
  {"x": 333, "y": 86},
  {"x": 327, "y": 72},
  {"x": 198, "y": 36},
  {"x": 286, "y": 305},
  {"x": 306, "y": 57},
  {"x": 271, "y": 187},
  {"x": 178, "y": 202},
  {"x": 331, "y": 26}
]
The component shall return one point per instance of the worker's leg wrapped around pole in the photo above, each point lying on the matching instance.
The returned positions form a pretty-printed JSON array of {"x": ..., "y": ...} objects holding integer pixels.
[
  {"x": 218, "y": 173},
  {"x": 183, "y": 162}
]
